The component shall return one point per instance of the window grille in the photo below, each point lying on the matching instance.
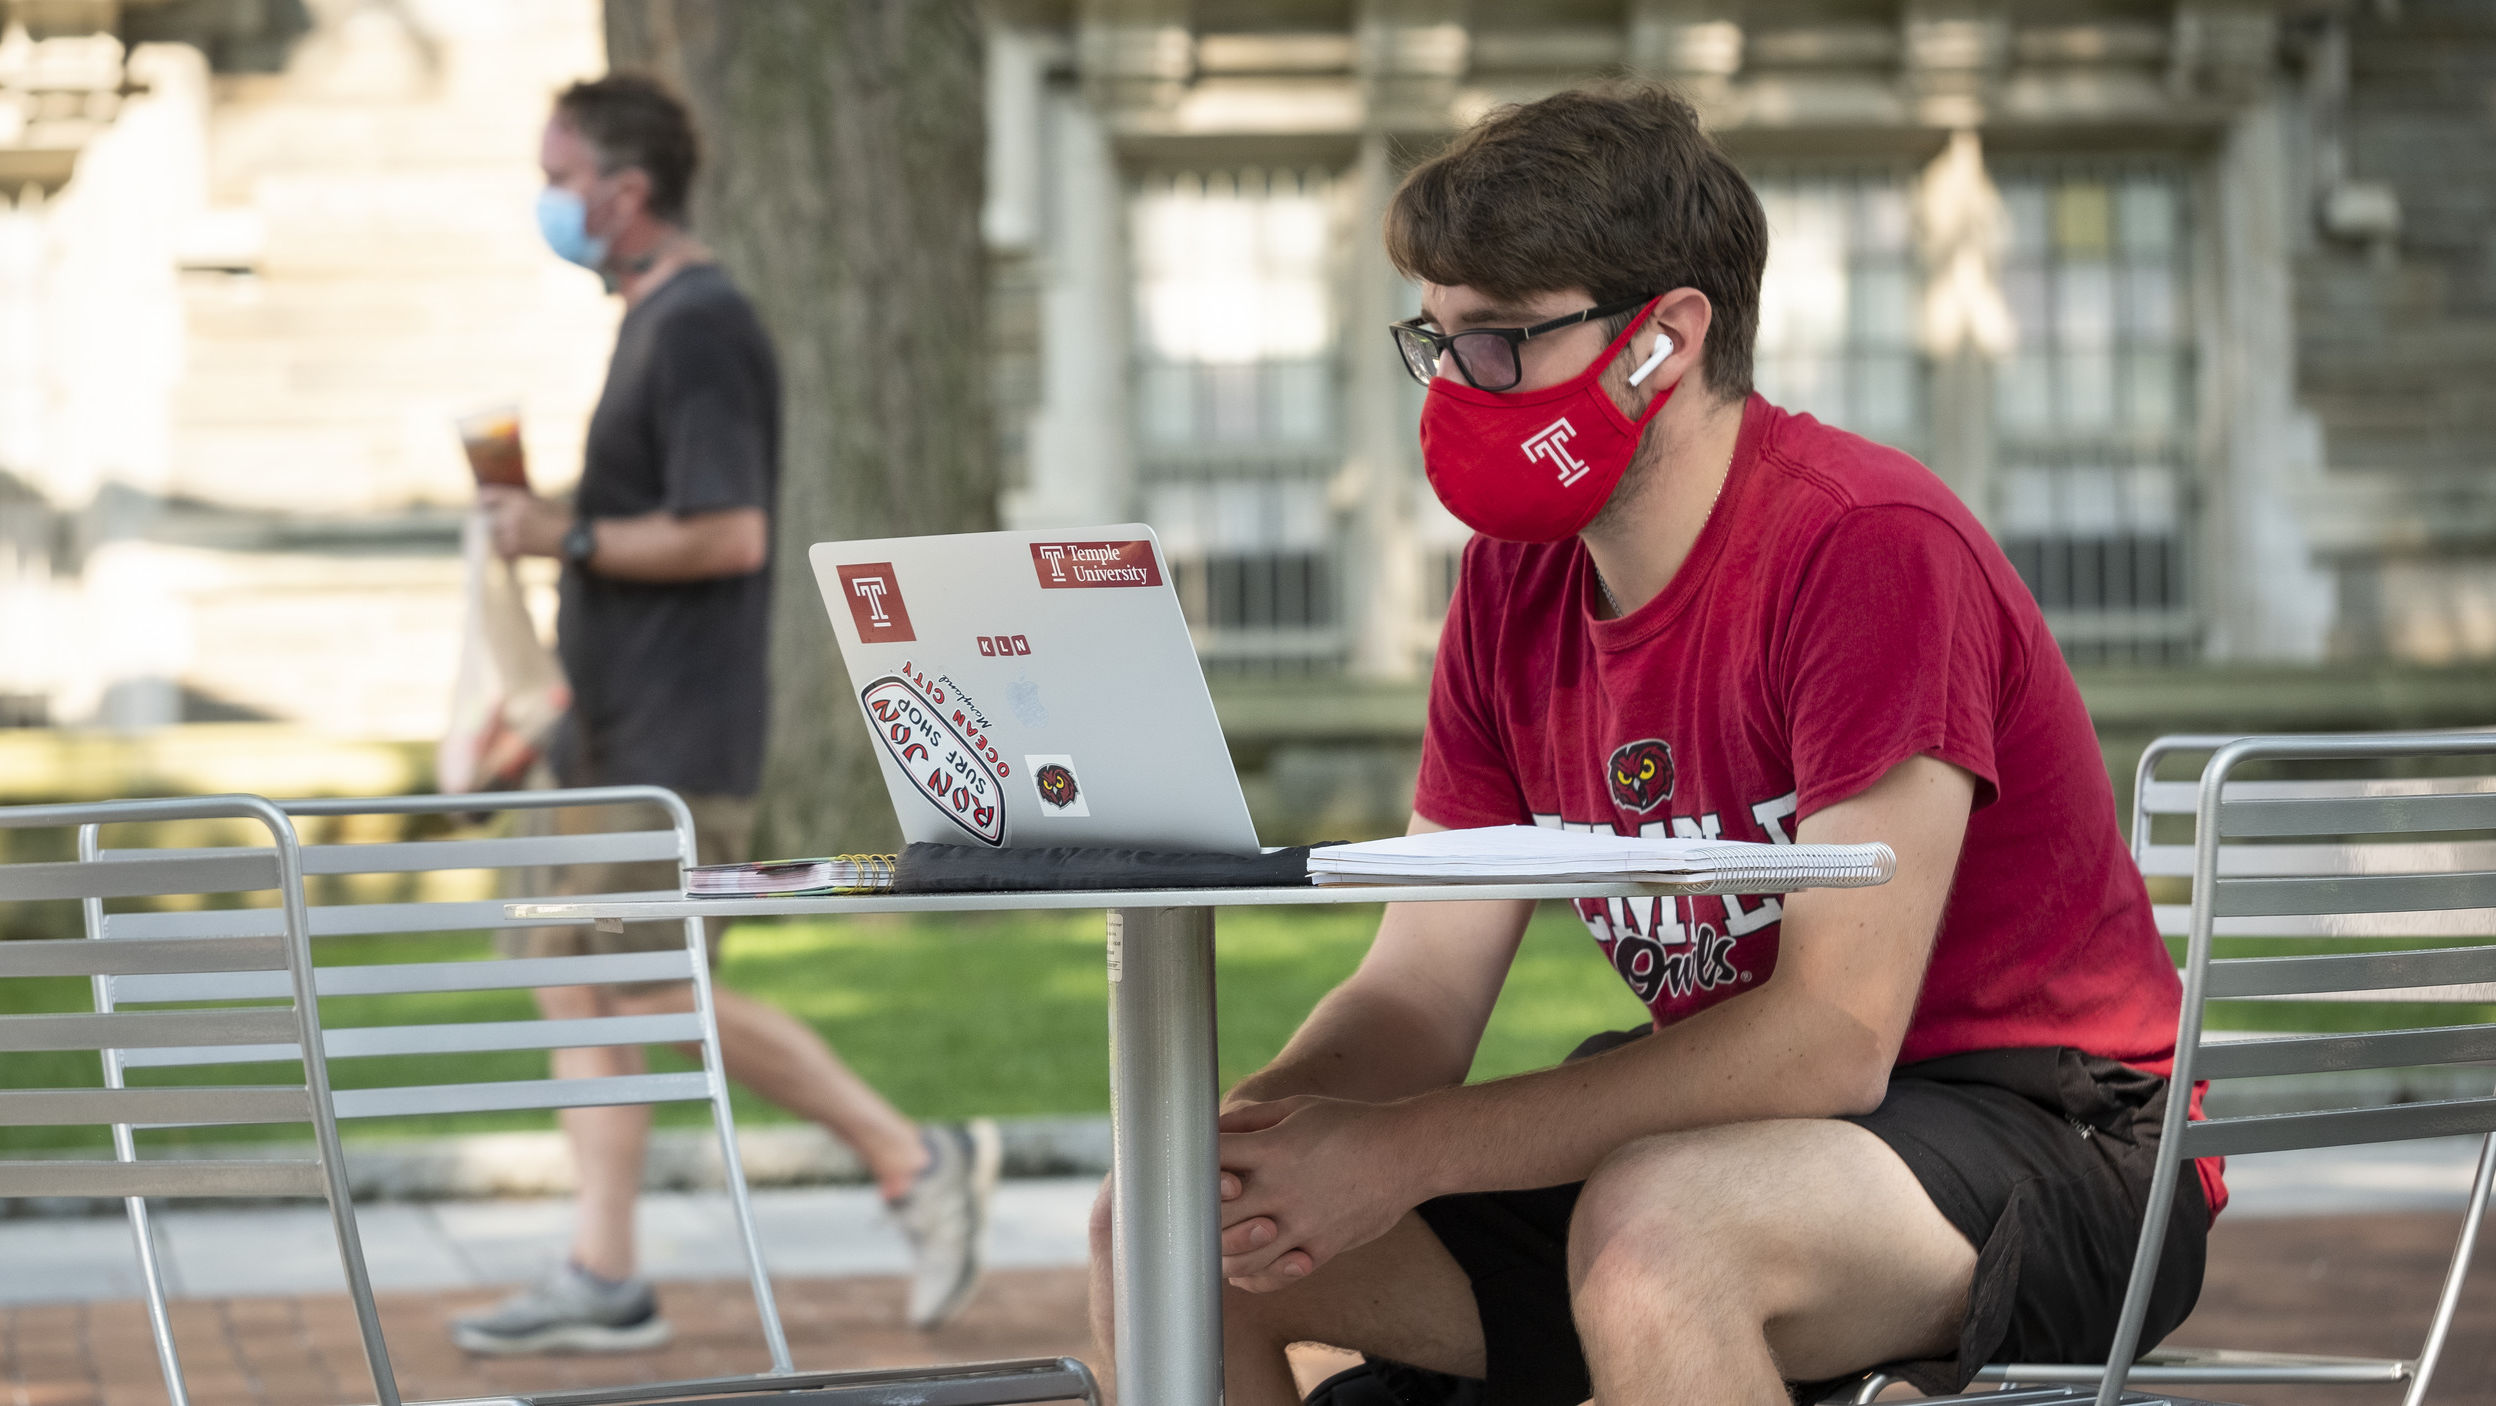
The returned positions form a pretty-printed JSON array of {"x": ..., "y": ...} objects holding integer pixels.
[
  {"x": 1837, "y": 305},
  {"x": 2093, "y": 407},
  {"x": 1238, "y": 408}
]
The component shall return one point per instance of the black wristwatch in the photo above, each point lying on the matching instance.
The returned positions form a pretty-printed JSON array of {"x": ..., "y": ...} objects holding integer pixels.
[{"x": 580, "y": 542}]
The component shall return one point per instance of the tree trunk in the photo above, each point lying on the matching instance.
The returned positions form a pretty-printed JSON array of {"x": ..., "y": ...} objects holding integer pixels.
[{"x": 842, "y": 149}]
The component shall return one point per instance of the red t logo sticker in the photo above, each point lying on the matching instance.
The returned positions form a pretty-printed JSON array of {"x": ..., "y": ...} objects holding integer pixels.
[{"x": 874, "y": 596}]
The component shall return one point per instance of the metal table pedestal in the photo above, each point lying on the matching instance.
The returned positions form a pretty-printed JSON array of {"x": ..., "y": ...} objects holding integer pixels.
[{"x": 1164, "y": 1087}]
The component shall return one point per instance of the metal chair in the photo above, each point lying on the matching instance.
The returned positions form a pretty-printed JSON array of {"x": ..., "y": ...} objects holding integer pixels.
[
  {"x": 2372, "y": 857},
  {"x": 269, "y": 949},
  {"x": 673, "y": 845}
]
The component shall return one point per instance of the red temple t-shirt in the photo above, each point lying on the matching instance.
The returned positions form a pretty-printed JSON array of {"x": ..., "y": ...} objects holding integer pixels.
[{"x": 1841, "y": 612}]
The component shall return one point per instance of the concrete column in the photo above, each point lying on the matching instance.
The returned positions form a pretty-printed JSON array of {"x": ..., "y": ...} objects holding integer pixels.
[
  {"x": 1382, "y": 470},
  {"x": 1961, "y": 229},
  {"x": 2265, "y": 596},
  {"x": 1081, "y": 467}
]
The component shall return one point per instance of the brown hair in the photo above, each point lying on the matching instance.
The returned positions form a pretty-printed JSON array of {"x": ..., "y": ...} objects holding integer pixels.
[
  {"x": 632, "y": 120},
  {"x": 1613, "y": 189}
]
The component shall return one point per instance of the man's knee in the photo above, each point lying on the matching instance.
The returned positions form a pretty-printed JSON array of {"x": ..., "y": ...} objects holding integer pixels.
[
  {"x": 1100, "y": 1305},
  {"x": 1663, "y": 1220}
]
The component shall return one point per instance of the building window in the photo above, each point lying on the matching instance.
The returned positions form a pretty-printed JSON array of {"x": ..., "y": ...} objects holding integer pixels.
[
  {"x": 1238, "y": 407},
  {"x": 1837, "y": 306},
  {"x": 2093, "y": 406}
]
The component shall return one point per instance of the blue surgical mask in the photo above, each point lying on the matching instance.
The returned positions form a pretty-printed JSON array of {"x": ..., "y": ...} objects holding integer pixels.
[{"x": 564, "y": 220}]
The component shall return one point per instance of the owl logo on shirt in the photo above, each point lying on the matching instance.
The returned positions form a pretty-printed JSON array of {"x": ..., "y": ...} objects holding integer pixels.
[{"x": 1641, "y": 774}]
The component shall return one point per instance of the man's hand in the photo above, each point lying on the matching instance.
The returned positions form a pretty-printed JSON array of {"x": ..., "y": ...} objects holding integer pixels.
[
  {"x": 524, "y": 525},
  {"x": 1305, "y": 1179}
]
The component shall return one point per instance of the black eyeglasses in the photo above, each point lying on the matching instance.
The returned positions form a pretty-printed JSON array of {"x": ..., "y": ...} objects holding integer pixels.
[{"x": 1489, "y": 358}]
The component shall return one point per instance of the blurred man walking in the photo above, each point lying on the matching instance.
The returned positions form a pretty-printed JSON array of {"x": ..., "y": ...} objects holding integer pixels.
[{"x": 662, "y": 628}]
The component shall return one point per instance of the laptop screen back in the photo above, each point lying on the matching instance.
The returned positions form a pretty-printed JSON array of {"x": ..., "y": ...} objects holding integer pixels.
[{"x": 1028, "y": 689}]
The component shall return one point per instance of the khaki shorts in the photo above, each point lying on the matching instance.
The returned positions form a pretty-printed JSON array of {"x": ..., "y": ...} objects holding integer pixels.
[{"x": 723, "y": 833}]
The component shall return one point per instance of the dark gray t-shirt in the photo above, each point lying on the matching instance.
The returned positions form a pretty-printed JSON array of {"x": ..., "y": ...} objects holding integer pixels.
[{"x": 668, "y": 683}]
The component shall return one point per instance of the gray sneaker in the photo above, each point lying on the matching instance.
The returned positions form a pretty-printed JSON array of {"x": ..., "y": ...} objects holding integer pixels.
[
  {"x": 568, "y": 1311},
  {"x": 945, "y": 1214}
]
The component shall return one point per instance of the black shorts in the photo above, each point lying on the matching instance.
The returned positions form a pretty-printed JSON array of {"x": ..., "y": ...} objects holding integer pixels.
[{"x": 2040, "y": 1157}]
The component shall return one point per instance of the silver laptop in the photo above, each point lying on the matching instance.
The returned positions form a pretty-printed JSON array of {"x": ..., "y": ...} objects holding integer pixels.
[{"x": 1029, "y": 689}]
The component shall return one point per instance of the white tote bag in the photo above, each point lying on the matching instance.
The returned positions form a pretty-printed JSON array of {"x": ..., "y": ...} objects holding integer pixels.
[{"x": 510, "y": 690}]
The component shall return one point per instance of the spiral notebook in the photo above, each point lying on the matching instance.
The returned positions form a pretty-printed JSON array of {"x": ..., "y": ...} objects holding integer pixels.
[
  {"x": 1531, "y": 854},
  {"x": 788, "y": 878}
]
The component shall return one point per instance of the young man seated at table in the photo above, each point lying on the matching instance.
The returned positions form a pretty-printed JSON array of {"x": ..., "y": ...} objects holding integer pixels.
[{"x": 1906, "y": 1127}]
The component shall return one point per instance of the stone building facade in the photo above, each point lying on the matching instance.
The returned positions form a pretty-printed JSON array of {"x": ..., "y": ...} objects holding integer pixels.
[{"x": 2192, "y": 300}]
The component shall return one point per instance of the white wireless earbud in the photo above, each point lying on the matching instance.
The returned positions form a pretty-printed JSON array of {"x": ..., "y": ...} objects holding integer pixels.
[{"x": 1663, "y": 349}]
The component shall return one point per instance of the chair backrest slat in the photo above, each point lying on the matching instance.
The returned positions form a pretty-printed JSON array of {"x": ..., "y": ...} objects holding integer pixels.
[
  {"x": 2273, "y": 861},
  {"x": 2240, "y": 977},
  {"x": 2175, "y": 920},
  {"x": 2339, "y": 1127},
  {"x": 65, "y": 1107},
  {"x": 218, "y": 1178},
  {"x": 484, "y": 1035},
  {"x": 343, "y": 919},
  {"x": 184, "y": 1056},
  {"x": 444, "y": 856},
  {"x": 78, "y": 956},
  {"x": 2324, "y": 1054},
  {"x": 251, "y": 872},
  {"x": 2358, "y": 815},
  {"x": 363, "y": 1042},
  {"x": 409, "y": 1100},
  {"x": 413, "y": 978},
  {"x": 2184, "y": 797},
  {"x": 2465, "y": 993},
  {"x": 121, "y": 1029},
  {"x": 2352, "y": 893}
]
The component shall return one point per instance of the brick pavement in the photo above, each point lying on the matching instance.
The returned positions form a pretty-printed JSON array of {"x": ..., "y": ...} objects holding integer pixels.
[{"x": 2332, "y": 1284}]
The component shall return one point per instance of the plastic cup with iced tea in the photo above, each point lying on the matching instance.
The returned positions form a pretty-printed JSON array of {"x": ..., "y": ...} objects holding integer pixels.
[{"x": 492, "y": 439}]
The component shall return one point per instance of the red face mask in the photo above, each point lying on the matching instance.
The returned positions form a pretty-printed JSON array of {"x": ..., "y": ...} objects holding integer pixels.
[{"x": 1533, "y": 466}]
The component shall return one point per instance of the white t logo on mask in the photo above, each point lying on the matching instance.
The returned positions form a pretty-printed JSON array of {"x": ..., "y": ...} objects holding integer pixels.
[{"x": 1551, "y": 445}]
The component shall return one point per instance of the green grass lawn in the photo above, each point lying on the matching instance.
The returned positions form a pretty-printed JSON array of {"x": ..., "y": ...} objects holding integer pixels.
[{"x": 1004, "y": 1014}]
